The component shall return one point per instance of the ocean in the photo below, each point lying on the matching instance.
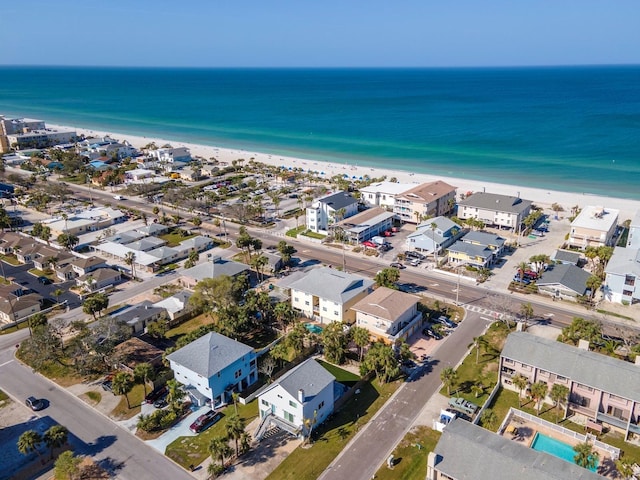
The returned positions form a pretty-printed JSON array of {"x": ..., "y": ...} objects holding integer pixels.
[{"x": 571, "y": 129}]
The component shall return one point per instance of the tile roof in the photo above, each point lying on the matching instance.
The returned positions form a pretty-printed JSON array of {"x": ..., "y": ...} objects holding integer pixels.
[
  {"x": 427, "y": 192},
  {"x": 386, "y": 303},
  {"x": 467, "y": 451},
  {"x": 588, "y": 368},
  {"x": 209, "y": 354}
]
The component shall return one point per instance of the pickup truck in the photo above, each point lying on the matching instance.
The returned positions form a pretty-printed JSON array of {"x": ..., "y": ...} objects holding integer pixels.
[{"x": 462, "y": 405}]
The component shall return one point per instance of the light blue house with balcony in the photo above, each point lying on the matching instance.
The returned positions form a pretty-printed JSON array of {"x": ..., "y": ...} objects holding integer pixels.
[{"x": 214, "y": 366}]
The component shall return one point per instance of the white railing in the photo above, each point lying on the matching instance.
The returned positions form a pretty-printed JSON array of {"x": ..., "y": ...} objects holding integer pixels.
[{"x": 613, "y": 451}]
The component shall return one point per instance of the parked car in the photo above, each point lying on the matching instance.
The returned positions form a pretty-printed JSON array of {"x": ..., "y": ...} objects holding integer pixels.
[
  {"x": 530, "y": 274},
  {"x": 388, "y": 233},
  {"x": 107, "y": 386},
  {"x": 430, "y": 333},
  {"x": 415, "y": 262},
  {"x": 397, "y": 265},
  {"x": 519, "y": 279},
  {"x": 445, "y": 321},
  {"x": 118, "y": 197},
  {"x": 205, "y": 421},
  {"x": 45, "y": 280},
  {"x": 161, "y": 402},
  {"x": 34, "y": 403},
  {"x": 370, "y": 244},
  {"x": 412, "y": 254},
  {"x": 156, "y": 394}
]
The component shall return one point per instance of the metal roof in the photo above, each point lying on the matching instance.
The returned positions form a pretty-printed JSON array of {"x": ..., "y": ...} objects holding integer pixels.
[
  {"x": 569, "y": 276},
  {"x": 495, "y": 202},
  {"x": 331, "y": 284}
]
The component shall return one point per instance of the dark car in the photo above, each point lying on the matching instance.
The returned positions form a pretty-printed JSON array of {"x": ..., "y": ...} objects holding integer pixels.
[
  {"x": 412, "y": 254},
  {"x": 156, "y": 394},
  {"x": 397, "y": 265},
  {"x": 45, "y": 280},
  {"x": 519, "y": 279},
  {"x": 430, "y": 333},
  {"x": 445, "y": 321},
  {"x": 161, "y": 402},
  {"x": 107, "y": 386},
  {"x": 205, "y": 421},
  {"x": 34, "y": 403}
]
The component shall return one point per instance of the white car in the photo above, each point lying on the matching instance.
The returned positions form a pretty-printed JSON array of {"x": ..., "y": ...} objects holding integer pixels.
[{"x": 118, "y": 197}]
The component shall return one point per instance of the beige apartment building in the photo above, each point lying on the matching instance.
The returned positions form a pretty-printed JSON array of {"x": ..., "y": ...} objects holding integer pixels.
[
  {"x": 424, "y": 201},
  {"x": 594, "y": 227}
]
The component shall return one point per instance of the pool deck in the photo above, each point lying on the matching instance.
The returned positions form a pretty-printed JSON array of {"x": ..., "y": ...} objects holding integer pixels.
[{"x": 521, "y": 430}]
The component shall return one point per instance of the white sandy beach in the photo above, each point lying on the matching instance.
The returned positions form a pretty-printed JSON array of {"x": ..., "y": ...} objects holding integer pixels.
[{"x": 542, "y": 198}]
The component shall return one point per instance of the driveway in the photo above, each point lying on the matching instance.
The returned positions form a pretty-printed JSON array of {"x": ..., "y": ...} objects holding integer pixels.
[{"x": 179, "y": 430}]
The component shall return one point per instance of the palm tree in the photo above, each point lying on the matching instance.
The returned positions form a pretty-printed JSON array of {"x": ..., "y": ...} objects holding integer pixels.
[
  {"x": 219, "y": 448},
  {"x": 477, "y": 389},
  {"x": 489, "y": 419},
  {"x": 520, "y": 382},
  {"x": 625, "y": 467},
  {"x": 585, "y": 455},
  {"x": 478, "y": 343},
  {"x": 56, "y": 293},
  {"x": 130, "y": 260},
  {"x": 559, "y": 394},
  {"x": 235, "y": 396},
  {"x": 361, "y": 337},
  {"x": 258, "y": 263},
  {"x": 55, "y": 437},
  {"x": 143, "y": 372},
  {"x": 175, "y": 392},
  {"x": 65, "y": 217},
  {"x": 448, "y": 377},
  {"x": 526, "y": 311},
  {"x": 538, "y": 392},
  {"x": 235, "y": 428},
  {"x": 122, "y": 384},
  {"x": 522, "y": 267},
  {"x": 29, "y": 442}
]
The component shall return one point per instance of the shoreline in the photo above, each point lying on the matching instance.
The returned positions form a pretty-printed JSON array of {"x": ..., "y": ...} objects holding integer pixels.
[{"x": 541, "y": 197}]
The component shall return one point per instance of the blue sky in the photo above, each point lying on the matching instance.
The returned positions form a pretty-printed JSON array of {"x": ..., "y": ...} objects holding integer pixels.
[{"x": 340, "y": 33}]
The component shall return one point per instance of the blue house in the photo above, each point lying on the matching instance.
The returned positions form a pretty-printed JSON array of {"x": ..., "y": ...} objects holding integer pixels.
[{"x": 214, "y": 366}]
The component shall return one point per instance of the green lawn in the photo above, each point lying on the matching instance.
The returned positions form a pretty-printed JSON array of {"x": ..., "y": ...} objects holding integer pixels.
[
  {"x": 188, "y": 326},
  {"x": 485, "y": 371},
  {"x": 410, "y": 455},
  {"x": 136, "y": 397},
  {"x": 15, "y": 328},
  {"x": 309, "y": 463},
  {"x": 174, "y": 238},
  {"x": 342, "y": 376},
  {"x": 294, "y": 232},
  {"x": 318, "y": 236},
  {"x": 194, "y": 450},
  {"x": 10, "y": 259},
  {"x": 3, "y": 399}
]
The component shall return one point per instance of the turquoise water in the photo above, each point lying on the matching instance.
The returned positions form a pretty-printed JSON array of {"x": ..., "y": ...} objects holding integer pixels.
[
  {"x": 554, "y": 447},
  {"x": 573, "y": 129},
  {"x": 313, "y": 328}
]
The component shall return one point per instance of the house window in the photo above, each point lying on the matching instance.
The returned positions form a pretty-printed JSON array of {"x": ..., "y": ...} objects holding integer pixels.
[
  {"x": 509, "y": 361},
  {"x": 295, "y": 299},
  {"x": 624, "y": 401},
  {"x": 320, "y": 405},
  {"x": 560, "y": 378},
  {"x": 264, "y": 402},
  {"x": 324, "y": 309},
  {"x": 288, "y": 417},
  {"x": 544, "y": 373},
  {"x": 584, "y": 387},
  {"x": 630, "y": 280},
  {"x": 238, "y": 374},
  {"x": 336, "y": 313},
  {"x": 627, "y": 293},
  {"x": 307, "y": 303},
  {"x": 293, "y": 404}
]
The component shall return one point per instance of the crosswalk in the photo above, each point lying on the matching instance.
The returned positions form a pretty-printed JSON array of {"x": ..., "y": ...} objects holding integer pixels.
[{"x": 485, "y": 311}]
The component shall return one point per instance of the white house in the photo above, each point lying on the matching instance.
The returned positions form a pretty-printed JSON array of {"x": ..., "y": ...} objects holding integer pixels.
[
  {"x": 389, "y": 314},
  {"x": 298, "y": 401},
  {"x": 383, "y": 194},
  {"x": 493, "y": 209},
  {"x": 214, "y": 366},
  {"x": 633, "y": 239},
  {"x": 327, "y": 295},
  {"x": 170, "y": 155},
  {"x": 593, "y": 227},
  {"x": 622, "y": 281},
  {"x": 428, "y": 239},
  {"x": 321, "y": 214}
]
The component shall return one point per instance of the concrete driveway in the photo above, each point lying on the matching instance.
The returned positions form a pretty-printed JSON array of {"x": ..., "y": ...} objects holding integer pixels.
[{"x": 181, "y": 429}]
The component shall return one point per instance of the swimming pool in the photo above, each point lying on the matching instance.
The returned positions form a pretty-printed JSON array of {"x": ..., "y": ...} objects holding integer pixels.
[
  {"x": 554, "y": 447},
  {"x": 313, "y": 328}
]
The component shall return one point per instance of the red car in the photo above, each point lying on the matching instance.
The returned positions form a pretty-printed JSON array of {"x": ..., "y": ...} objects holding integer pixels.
[
  {"x": 369, "y": 244},
  {"x": 388, "y": 233},
  {"x": 205, "y": 421}
]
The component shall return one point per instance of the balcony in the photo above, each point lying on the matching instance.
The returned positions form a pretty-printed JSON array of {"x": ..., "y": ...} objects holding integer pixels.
[{"x": 617, "y": 422}]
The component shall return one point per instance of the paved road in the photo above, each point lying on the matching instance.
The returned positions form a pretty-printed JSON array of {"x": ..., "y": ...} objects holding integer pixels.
[
  {"x": 370, "y": 448},
  {"x": 91, "y": 433}
]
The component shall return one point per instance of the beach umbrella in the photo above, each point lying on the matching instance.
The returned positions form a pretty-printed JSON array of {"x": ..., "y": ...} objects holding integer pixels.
[
  {"x": 290, "y": 168},
  {"x": 345, "y": 176},
  {"x": 321, "y": 173},
  {"x": 354, "y": 177},
  {"x": 360, "y": 178}
]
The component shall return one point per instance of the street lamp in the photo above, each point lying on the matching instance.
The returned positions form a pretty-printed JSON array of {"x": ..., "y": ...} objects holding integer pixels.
[{"x": 458, "y": 284}]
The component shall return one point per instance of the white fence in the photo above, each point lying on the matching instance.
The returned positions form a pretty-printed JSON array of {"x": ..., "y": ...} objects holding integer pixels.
[{"x": 612, "y": 451}]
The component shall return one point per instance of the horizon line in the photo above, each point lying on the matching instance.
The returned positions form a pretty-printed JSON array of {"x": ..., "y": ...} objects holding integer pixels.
[{"x": 327, "y": 67}]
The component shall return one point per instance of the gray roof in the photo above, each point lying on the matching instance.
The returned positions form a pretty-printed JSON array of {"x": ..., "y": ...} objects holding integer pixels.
[
  {"x": 566, "y": 256},
  {"x": 163, "y": 252},
  {"x": 443, "y": 224},
  {"x": 331, "y": 284},
  {"x": 309, "y": 376},
  {"x": 467, "y": 451},
  {"x": 153, "y": 229},
  {"x": 137, "y": 313},
  {"x": 471, "y": 249},
  {"x": 499, "y": 203},
  {"x": 338, "y": 200},
  {"x": 209, "y": 354},
  {"x": 588, "y": 368},
  {"x": 215, "y": 269},
  {"x": 624, "y": 261},
  {"x": 366, "y": 219},
  {"x": 146, "y": 244},
  {"x": 484, "y": 238},
  {"x": 125, "y": 237},
  {"x": 568, "y": 276},
  {"x": 100, "y": 274}
]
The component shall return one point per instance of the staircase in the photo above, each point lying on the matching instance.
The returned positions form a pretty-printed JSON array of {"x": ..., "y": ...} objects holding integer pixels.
[{"x": 271, "y": 422}]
